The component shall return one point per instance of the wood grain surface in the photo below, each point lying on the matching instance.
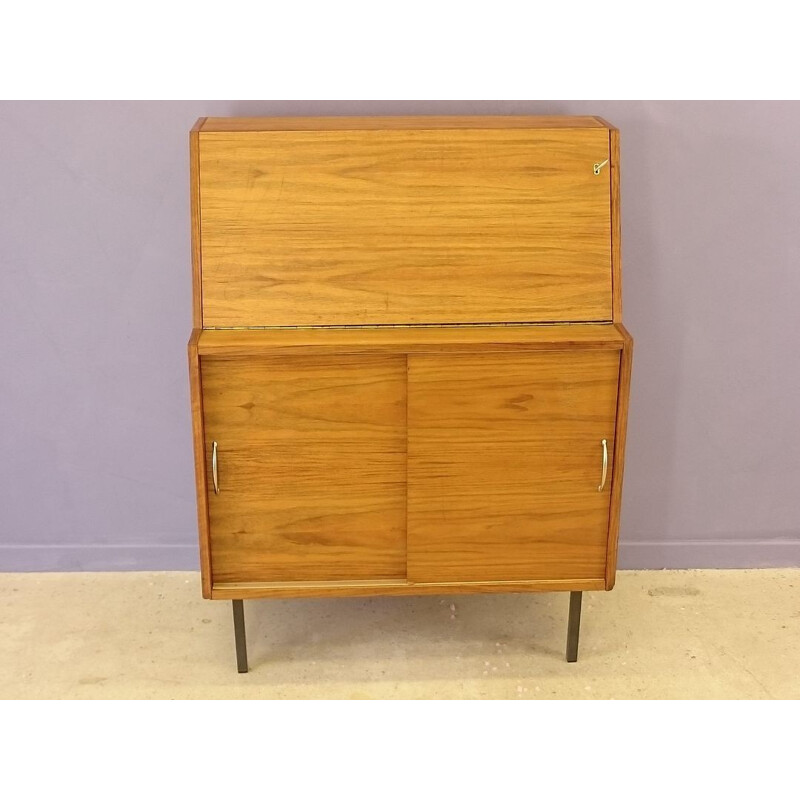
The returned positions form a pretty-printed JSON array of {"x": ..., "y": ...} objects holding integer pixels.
[
  {"x": 504, "y": 462},
  {"x": 623, "y": 397},
  {"x": 404, "y": 226},
  {"x": 226, "y": 124},
  {"x": 198, "y": 440},
  {"x": 616, "y": 226},
  {"x": 194, "y": 200},
  {"x": 225, "y": 343},
  {"x": 255, "y": 590},
  {"x": 312, "y": 468}
]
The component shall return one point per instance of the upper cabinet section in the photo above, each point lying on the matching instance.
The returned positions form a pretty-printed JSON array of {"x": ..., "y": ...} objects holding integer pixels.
[{"x": 402, "y": 220}]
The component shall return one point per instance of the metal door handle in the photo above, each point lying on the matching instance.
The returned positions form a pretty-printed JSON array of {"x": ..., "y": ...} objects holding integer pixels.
[
  {"x": 605, "y": 466},
  {"x": 214, "y": 475}
]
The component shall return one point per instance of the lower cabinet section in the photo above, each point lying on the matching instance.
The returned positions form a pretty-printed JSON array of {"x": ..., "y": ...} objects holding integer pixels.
[{"x": 368, "y": 473}]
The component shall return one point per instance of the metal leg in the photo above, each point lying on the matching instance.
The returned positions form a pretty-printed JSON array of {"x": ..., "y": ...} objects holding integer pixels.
[
  {"x": 238, "y": 631},
  {"x": 574, "y": 626}
]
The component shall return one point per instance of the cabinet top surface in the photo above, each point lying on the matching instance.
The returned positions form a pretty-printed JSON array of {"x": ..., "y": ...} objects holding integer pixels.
[
  {"x": 255, "y": 124},
  {"x": 484, "y": 338}
]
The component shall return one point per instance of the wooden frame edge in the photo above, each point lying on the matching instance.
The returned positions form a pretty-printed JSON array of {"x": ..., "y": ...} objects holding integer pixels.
[
  {"x": 616, "y": 227},
  {"x": 194, "y": 196},
  {"x": 252, "y": 591},
  {"x": 604, "y": 122},
  {"x": 620, "y": 434},
  {"x": 212, "y": 344},
  {"x": 198, "y": 434},
  {"x": 355, "y": 122},
  {"x": 353, "y": 350}
]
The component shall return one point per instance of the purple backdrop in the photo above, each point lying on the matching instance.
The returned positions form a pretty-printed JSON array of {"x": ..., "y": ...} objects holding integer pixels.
[{"x": 96, "y": 466}]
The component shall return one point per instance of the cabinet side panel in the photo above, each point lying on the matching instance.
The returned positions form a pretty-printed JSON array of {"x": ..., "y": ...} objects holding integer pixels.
[
  {"x": 405, "y": 227},
  {"x": 616, "y": 225},
  {"x": 194, "y": 195},
  {"x": 623, "y": 394},
  {"x": 196, "y": 394}
]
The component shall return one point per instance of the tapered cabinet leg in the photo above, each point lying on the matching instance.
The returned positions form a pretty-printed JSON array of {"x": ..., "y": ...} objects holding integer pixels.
[
  {"x": 574, "y": 625},
  {"x": 238, "y": 632}
]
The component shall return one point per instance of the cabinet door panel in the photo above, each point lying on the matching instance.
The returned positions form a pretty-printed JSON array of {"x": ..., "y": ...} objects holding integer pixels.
[
  {"x": 311, "y": 467},
  {"x": 504, "y": 463}
]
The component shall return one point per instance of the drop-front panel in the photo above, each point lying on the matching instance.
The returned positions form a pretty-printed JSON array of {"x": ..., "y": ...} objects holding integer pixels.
[
  {"x": 391, "y": 460},
  {"x": 365, "y": 225}
]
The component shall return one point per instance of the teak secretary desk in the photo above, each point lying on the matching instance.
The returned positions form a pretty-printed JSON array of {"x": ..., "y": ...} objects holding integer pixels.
[{"x": 408, "y": 369}]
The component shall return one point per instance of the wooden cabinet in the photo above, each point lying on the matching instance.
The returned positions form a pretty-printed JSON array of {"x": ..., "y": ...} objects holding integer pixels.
[{"x": 408, "y": 369}]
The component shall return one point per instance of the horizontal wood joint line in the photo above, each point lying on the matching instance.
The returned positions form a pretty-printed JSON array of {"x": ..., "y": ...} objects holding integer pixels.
[
  {"x": 550, "y": 582},
  {"x": 355, "y": 349},
  {"x": 390, "y": 325},
  {"x": 235, "y": 590}
]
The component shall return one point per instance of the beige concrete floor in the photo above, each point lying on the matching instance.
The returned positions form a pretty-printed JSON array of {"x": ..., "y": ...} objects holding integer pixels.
[{"x": 676, "y": 634}]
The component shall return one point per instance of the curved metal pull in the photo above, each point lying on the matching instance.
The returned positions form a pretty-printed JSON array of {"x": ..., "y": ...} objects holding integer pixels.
[
  {"x": 605, "y": 466},
  {"x": 598, "y": 166},
  {"x": 214, "y": 475}
]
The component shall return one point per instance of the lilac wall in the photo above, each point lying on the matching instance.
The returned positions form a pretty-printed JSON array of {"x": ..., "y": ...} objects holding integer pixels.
[{"x": 96, "y": 464}]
